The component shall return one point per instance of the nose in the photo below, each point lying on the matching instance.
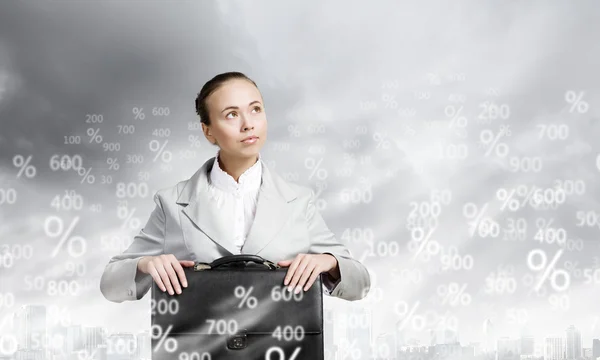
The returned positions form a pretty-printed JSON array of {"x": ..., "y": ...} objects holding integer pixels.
[{"x": 247, "y": 123}]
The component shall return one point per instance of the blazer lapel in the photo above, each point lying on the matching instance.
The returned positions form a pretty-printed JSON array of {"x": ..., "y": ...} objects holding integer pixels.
[
  {"x": 204, "y": 210},
  {"x": 272, "y": 210}
]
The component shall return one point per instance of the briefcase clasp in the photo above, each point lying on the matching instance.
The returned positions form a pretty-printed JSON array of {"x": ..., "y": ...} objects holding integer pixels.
[
  {"x": 201, "y": 266},
  {"x": 238, "y": 341}
]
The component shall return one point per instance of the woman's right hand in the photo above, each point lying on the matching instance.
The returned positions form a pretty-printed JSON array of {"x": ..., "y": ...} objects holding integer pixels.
[{"x": 165, "y": 270}]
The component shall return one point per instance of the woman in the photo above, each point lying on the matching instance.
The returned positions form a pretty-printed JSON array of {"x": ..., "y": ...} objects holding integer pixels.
[{"x": 234, "y": 204}]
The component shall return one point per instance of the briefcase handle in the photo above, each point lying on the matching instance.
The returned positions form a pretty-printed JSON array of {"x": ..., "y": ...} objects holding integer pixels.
[{"x": 238, "y": 259}]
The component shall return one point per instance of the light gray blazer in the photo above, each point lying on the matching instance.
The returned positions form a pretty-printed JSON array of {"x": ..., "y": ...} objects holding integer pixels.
[{"x": 187, "y": 222}]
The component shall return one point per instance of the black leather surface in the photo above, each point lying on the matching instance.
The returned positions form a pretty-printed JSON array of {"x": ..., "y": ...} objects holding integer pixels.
[{"x": 244, "y": 299}]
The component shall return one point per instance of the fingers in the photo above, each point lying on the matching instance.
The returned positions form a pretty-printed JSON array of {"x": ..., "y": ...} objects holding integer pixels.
[
  {"x": 164, "y": 275},
  {"x": 156, "y": 276},
  {"x": 284, "y": 262},
  {"x": 303, "y": 272},
  {"x": 312, "y": 279},
  {"x": 179, "y": 271},
  {"x": 161, "y": 278},
  {"x": 297, "y": 268},
  {"x": 311, "y": 268},
  {"x": 169, "y": 264},
  {"x": 291, "y": 270},
  {"x": 167, "y": 271}
]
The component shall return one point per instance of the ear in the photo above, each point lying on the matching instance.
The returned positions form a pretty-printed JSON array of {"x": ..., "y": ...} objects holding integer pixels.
[
  {"x": 205, "y": 129},
  {"x": 208, "y": 135}
]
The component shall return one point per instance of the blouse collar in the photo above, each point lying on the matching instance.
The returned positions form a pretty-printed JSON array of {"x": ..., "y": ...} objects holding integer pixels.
[{"x": 250, "y": 180}]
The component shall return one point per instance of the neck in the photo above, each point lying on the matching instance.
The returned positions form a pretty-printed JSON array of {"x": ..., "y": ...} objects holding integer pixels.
[{"x": 235, "y": 166}]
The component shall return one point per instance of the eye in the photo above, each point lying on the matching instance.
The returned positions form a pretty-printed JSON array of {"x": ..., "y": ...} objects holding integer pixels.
[{"x": 233, "y": 112}]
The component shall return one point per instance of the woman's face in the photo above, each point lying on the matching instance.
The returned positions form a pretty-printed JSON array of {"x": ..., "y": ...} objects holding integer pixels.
[{"x": 236, "y": 112}]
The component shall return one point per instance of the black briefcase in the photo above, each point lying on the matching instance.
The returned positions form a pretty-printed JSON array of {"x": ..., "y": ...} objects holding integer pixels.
[{"x": 237, "y": 307}]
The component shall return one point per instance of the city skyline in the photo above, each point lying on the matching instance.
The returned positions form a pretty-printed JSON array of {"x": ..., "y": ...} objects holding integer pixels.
[{"x": 30, "y": 322}]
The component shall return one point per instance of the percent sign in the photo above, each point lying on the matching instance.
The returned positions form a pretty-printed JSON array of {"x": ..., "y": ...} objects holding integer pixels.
[
  {"x": 491, "y": 142},
  {"x": 382, "y": 142},
  {"x": 389, "y": 101},
  {"x": 170, "y": 343},
  {"x": 281, "y": 354},
  {"x": 58, "y": 224},
  {"x": 573, "y": 268},
  {"x": 128, "y": 218},
  {"x": 454, "y": 293},
  {"x": 484, "y": 226},
  {"x": 250, "y": 301},
  {"x": 94, "y": 135},
  {"x": 576, "y": 101},
  {"x": 293, "y": 130},
  {"x": 548, "y": 269},
  {"x": 23, "y": 165},
  {"x": 349, "y": 349},
  {"x": 194, "y": 141},
  {"x": 508, "y": 199},
  {"x": 315, "y": 168},
  {"x": 434, "y": 78},
  {"x": 321, "y": 204},
  {"x": 138, "y": 113},
  {"x": 418, "y": 235},
  {"x": 418, "y": 322},
  {"x": 455, "y": 116},
  {"x": 87, "y": 354},
  {"x": 113, "y": 164},
  {"x": 85, "y": 175},
  {"x": 155, "y": 146}
]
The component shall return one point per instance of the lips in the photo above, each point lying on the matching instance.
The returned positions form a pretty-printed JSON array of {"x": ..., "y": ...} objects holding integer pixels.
[{"x": 250, "y": 138}]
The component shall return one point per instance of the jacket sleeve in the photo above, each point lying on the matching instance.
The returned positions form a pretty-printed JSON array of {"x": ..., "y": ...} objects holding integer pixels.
[
  {"x": 328, "y": 283},
  {"x": 121, "y": 280},
  {"x": 355, "y": 281}
]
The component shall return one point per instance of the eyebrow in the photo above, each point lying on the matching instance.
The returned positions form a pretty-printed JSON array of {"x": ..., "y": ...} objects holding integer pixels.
[{"x": 235, "y": 107}]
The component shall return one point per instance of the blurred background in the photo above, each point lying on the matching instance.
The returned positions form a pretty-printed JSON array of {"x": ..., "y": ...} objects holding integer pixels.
[{"x": 453, "y": 145}]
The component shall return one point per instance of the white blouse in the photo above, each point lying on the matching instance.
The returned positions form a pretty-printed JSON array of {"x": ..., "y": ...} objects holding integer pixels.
[
  {"x": 241, "y": 198},
  {"x": 238, "y": 197}
]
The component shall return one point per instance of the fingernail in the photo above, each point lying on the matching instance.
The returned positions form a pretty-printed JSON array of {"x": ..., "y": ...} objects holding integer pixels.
[
  {"x": 179, "y": 291},
  {"x": 298, "y": 288},
  {"x": 184, "y": 284},
  {"x": 289, "y": 288},
  {"x": 171, "y": 292},
  {"x": 286, "y": 282}
]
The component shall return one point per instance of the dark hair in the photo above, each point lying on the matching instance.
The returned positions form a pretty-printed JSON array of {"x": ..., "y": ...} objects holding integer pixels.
[{"x": 212, "y": 85}]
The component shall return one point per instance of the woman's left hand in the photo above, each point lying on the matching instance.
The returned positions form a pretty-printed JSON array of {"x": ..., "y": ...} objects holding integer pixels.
[{"x": 305, "y": 268}]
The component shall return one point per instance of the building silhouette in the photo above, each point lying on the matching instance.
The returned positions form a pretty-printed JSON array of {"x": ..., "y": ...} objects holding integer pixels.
[
  {"x": 573, "y": 345},
  {"x": 554, "y": 348}
]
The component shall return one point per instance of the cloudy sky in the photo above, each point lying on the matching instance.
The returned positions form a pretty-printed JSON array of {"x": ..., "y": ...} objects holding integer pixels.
[{"x": 416, "y": 92}]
